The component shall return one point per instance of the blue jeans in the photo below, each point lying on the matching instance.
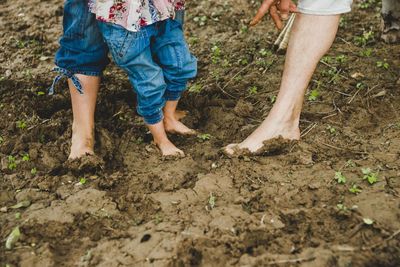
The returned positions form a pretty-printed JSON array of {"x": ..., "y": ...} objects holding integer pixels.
[
  {"x": 157, "y": 60},
  {"x": 82, "y": 48}
]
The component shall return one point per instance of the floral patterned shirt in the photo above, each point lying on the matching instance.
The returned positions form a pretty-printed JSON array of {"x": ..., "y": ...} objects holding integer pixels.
[{"x": 134, "y": 14}]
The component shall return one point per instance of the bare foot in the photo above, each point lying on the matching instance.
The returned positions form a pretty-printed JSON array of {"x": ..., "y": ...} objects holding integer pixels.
[
  {"x": 264, "y": 137},
  {"x": 173, "y": 125},
  {"x": 169, "y": 149},
  {"x": 180, "y": 114},
  {"x": 81, "y": 145}
]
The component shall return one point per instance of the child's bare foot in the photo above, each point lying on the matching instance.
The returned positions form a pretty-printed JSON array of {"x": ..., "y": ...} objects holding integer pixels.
[
  {"x": 180, "y": 114},
  {"x": 173, "y": 125},
  {"x": 161, "y": 140},
  {"x": 169, "y": 149},
  {"x": 81, "y": 145}
]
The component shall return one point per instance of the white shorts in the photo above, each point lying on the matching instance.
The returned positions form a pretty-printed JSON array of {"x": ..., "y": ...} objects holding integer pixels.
[{"x": 324, "y": 7}]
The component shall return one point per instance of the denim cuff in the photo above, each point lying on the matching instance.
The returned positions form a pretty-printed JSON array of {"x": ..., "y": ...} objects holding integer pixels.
[
  {"x": 154, "y": 118},
  {"x": 70, "y": 74},
  {"x": 172, "y": 95}
]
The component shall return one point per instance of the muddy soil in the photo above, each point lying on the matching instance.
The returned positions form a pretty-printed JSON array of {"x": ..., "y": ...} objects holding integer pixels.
[{"x": 133, "y": 208}]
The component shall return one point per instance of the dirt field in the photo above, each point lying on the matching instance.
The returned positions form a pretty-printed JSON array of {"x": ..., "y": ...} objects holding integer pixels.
[{"x": 136, "y": 209}]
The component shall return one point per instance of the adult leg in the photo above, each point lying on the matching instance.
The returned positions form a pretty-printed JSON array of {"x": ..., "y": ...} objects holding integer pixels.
[{"x": 311, "y": 37}]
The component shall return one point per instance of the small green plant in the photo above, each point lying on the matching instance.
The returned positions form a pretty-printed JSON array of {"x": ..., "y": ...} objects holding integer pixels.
[
  {"x": 158, "y": 219},
  {"x": 216, "y": 54},
  {"x": 364, "y": 39},
  {"x": 204, "y": 137},
  {"x": 340, "y": 178},
  {"x": 265, "y": 52},
  {"x": 331, "y": 129},
  {"x": 350, "y": 163},
  {"x": 195, "y": 88},
  {"x": 341, "y": 59},
  {"x": 244, "y": 29},
  {"x": 341, "y": 207},
  {"x": 355, "y": 189},
  {"x": 21, "y": 125},
  {"x": 253, "y": 90},
  {"x": 34, "y": 171},
  {"x": 82, "y": 181},
  {"x": 343, "y": 22},
  {"x": 360, "y": 85},
  {"x": 382, "y": 64},
  {"x": 12, "y": 164},
  {"x": 366, "y": 52},
  {"x": 366, "y": 4},
  {"x": 40, "y": 93},
  {"x": 313, "y": 96},
  {"x": 370, "y": 176},
  {"x": 26, "y": 157},
  {"x": 211, "y": 202},
  {"x": 272, "y": 99}
]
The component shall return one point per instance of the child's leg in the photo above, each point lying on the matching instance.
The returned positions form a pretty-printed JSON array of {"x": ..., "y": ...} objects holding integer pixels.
[
  {"x": 82, "y": 57},
  {"x": 131, "y": 51},
  {"x": 172, "y": 54}
]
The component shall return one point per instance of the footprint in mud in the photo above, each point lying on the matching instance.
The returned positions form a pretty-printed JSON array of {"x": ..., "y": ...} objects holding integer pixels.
[{"x": 271, "y": 147}]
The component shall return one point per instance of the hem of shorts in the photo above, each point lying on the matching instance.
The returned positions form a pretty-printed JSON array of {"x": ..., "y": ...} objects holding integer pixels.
[
  {"x": 323, "y": 12},
  {"x": 83, "y": 72}
]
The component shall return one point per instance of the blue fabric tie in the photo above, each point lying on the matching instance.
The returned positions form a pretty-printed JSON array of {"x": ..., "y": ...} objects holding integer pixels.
[{"x": 69, "y": 75}]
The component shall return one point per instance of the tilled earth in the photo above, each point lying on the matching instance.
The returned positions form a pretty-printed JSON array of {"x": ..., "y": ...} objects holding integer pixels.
[{"x": 133, "y": 208}]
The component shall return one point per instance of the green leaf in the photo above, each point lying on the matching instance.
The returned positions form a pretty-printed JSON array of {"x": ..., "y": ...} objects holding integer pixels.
[
  {"x": 340, "y": 178},
  {"x": 355, "y": 189},
  {"x": 82, "y": 181},
  {"x": 13, "y": 238},
  {"x": 314, "y": 94}
]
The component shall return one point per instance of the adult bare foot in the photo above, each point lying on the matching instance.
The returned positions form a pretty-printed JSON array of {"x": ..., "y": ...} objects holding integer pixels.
[
  {"x": 264, "y": 137},
  {"x": 81, "y": 144},
  {"x": 174, "y": 126}
]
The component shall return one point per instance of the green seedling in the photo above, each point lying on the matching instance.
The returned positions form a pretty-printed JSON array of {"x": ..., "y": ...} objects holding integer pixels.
[
  {"x": 18, "y": 215},
  {"x": 341, "y": 207},
  {"x": 34, "y": 171},
  {"x": 366, "y": 37},
  {"x": 21, "y": 125},
  {"x": 365, "y": 4},
  {"x": 244, "y": 29},
  {"x": 272, "y": 99},
  {"x": 331, "y": 129},
  {"x": 216, "y": 54},
  {"x": 382, "y": 64},
  {"x": 366, "y": 52},
  {"x": 195, "y": 88},
  {"x": 370, "y": 176},
  {"x": 360, "y": 85},
  {"x": 193, "y": 40},
  {"x": 265, "y": 52},
  {"x": 355, "y": 189},
  {"x": 340, "y": 178},
  {"x": 211, "y": 202},
  {"x": 243, "y": 61},
  {"x": 253, "y": 90},
  {"x": 313, "y": 96},
  {"x": 82, "y": 181},
  {"x": 26, "y": 157},
  {"x": 40, "y": 93},
  {"x": 350, "y": 163},
  {"x": 158, "y": 219},
  {"x": 204, "y": 137},
  {"x": 22, "y": 204},
  {"x": 13, "y": 238},
  {"x": 341, "y": 59},
  {"x": 12, "y": 164}
]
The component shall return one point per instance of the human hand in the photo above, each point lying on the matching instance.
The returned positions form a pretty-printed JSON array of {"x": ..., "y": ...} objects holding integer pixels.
[{"x": 273, "y": 6}]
